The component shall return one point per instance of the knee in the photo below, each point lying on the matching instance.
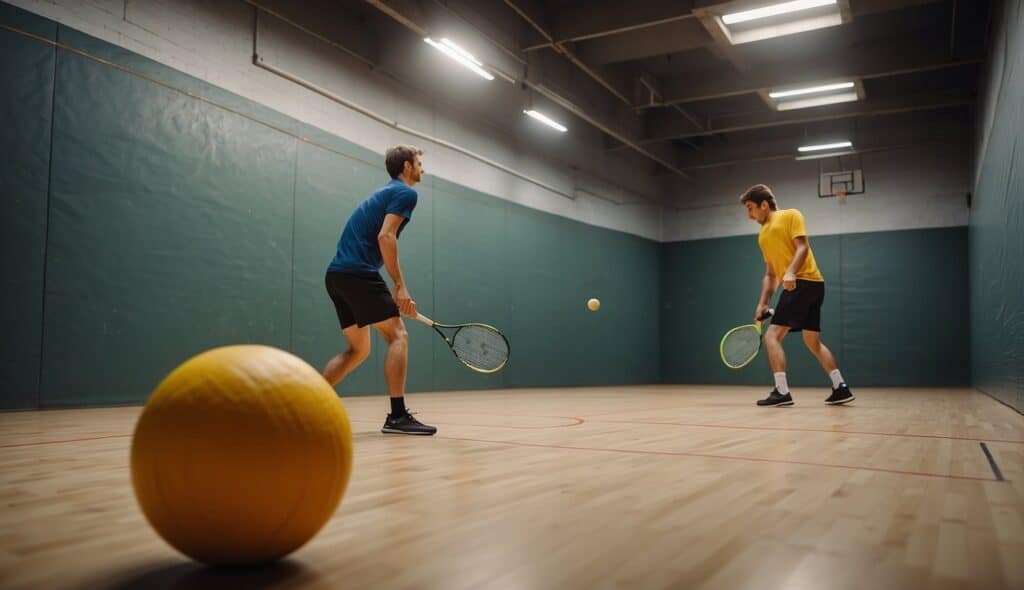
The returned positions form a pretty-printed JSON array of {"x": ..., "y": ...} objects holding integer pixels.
[
  {"x": 360, "y": 351},
  {"x": 813, "y": 344},
  {"x": 398, "y": 338}
]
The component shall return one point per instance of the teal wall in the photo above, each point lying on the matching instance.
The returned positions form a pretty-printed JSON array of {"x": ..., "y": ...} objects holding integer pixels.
[
  {"x": 996, "y": 229},
  {"x": 142, "y": 225},
  {"x": 25, "y": 109},
  {"x": 894, "y": 312}
]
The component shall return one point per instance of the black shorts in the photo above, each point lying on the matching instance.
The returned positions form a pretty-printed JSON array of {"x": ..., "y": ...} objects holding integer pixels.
[
  {"x": 360, "y": 298},
  {"x": 800, "y": 309}
]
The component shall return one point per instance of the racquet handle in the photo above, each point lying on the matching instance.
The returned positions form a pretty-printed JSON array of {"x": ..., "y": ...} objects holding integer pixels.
[
  {"x": 425, "y": 319},
  {"x": 767, "y": 314}
]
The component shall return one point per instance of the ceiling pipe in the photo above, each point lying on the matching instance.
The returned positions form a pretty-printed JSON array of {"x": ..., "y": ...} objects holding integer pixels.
[{"x": 565, "y": 103}]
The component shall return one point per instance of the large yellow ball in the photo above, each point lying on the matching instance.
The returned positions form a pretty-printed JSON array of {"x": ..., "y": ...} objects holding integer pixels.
[{"x": 241, "y": 455}]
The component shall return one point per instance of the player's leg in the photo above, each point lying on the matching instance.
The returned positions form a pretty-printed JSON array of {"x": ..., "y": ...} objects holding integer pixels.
[
  {"x": 358, "y": 349},
  {"x": 821, "y": 352},
  {"x": 399, "y": 421},
  {"x": 773, "y": 337},
  {"x": 841, "y": 393},
  {"x": 396, "y": 359},
  {"x": 358, "y": 337},
  {"x": 812, "y": 338},
  {"x": 773, "y": 346}
]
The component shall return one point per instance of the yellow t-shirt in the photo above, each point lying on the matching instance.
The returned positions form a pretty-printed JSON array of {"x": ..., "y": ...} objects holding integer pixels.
[{"x": 776, "y": 241}]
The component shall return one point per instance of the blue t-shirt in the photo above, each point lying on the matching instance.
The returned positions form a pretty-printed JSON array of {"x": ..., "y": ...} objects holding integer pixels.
[{"x": 358, "y": 250}]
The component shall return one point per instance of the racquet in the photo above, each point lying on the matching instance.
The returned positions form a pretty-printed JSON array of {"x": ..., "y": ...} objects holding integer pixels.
[
  {"x": 740, "y": 345},
  {"x": 480, "y": 347}
]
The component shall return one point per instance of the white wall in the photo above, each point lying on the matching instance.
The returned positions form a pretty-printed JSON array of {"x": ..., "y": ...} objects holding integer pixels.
[
  {"x": 904, "y": 189},
  {"x": 213, "y": 41}
]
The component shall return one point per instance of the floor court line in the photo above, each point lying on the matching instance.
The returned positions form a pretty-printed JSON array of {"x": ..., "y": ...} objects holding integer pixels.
[
  {"x": 798, "y": 429},
  {"x": 723, "y": 457},
  {"x": 578, "y": 421}
]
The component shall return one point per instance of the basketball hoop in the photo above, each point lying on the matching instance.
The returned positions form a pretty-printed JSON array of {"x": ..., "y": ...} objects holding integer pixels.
[{"x": 841, "y": 195}]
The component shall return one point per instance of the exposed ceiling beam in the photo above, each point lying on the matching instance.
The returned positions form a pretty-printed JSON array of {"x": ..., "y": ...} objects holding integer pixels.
[
  {"x": 532, "y": 12},
  {"x": 722, "y": 47},
  {"x": 864, "y": 7},
  {"x": 671, "y": 37},
  {"x": 876, "y": 62},
  {"x": 767, "y": 156},
  {"x": 546, "y": 75},
  {"x": 948, "y": 126},
  {"x": 649, "y": 91},
  {"x": 607, "y": 17},
  {"x": 407, "y": 12},
  {"x": 666, "y": 126}
]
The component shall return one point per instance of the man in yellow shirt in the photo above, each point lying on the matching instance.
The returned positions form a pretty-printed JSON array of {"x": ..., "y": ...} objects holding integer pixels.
[{"x": 787, "y": 255}]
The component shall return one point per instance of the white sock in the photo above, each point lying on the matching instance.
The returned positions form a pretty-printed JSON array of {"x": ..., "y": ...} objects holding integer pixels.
[
  {"x": 836, "y": 377},
  {"x": 780, "y": 383}
]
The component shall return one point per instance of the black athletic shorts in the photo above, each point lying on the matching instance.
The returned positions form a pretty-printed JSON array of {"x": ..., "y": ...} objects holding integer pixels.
[
  {"x": 360, "y": 298},
  {"x": 800, "y": 309}
]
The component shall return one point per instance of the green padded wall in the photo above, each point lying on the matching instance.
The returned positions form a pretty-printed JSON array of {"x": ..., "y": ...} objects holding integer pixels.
[
  {"x": 177, "y": 224},
  {"x": 531, "y": 273},
  {"x": 26, "y": 103},
  {"x": 996, "y": 242},
  {"x": 172, "y": 224},
  {"x": 170, "y": 233},
  {"x": 327, "y": 189},
  {"x": 894, "y": 312}
]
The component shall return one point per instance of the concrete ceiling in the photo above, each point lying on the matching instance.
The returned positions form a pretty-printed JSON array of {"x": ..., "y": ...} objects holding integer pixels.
[{"x": 665, "y": 89}]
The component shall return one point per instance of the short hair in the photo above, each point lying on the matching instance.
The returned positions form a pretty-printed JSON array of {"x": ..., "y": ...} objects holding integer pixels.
[
  {"x": 396, "y": 157},
  {"x": 758, "y": 194}
]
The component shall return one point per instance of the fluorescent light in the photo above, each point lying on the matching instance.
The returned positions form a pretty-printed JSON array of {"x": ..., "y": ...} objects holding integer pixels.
[
  {"x": 773, "y": 10},
  {"x": 789, "y": 28},
  {"x": 811, "y": 90},
  {"x": 544, "y": 119},
  {"x": 826, "y": 155},
  {"x": 460, "y": 55},
  {"x": 461, "y": 51},
  {"x": 817, "y": 101},
  {"x": 825, "y": 146}
]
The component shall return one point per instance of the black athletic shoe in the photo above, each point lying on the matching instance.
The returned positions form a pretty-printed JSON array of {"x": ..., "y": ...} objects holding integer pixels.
[
  {"x": 776, "y": 399},
  {"x": 406, "y": 424},
  {"x": 840, "y": 395}
]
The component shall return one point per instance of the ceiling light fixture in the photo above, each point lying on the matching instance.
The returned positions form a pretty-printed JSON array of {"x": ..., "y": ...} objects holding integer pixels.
[
  {"x": 774, "y": 10},
  {"x": 817, "y": 101},
  {"x": 781, "y": 19},
  {"x": 824, "y": 146},
  {"x": 811, "y": 90},
  {"x": 463, "y": 57},
  {"x": 546, "y": 120}
]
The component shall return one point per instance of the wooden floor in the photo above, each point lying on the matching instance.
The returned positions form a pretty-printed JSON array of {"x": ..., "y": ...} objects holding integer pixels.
[{"x": 626, "y": 487}]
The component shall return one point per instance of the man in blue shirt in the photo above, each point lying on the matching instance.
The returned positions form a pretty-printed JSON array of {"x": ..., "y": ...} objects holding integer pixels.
[{"x": 361, "y": 297}]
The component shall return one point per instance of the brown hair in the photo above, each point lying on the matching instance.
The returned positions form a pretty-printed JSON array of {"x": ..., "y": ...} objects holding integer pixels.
[
  {"x": 396, "y": 157},
  {"x": 758, "y": 194}
]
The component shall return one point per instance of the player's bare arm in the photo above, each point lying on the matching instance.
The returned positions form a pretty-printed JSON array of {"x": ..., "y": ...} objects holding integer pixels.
[
  {"x": 802, "y": 247},
  {"x": 768, "y": 284},
  {"x": 388, "y": 240}
]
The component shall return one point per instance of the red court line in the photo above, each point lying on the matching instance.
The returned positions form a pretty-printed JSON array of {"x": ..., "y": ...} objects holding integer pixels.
[
  {"x": 725, "y": 457},
  {"x": 65, "y": 440},
  {"x": 794, "y": 429}
]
